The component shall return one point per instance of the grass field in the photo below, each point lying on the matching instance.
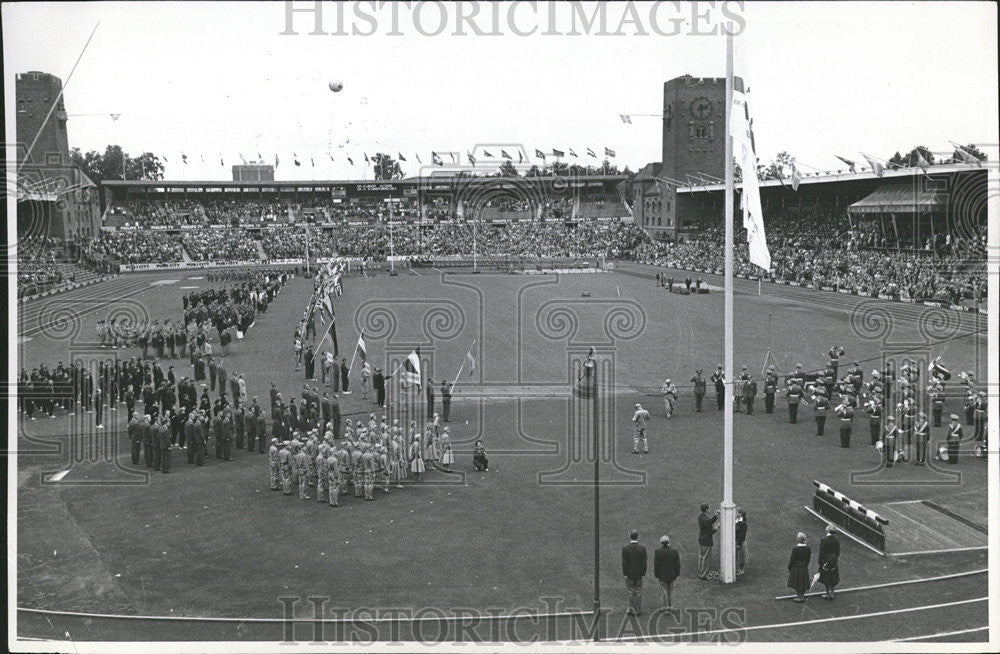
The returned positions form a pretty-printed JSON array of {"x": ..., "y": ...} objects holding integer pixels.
[{"x": 215, "y": 541}]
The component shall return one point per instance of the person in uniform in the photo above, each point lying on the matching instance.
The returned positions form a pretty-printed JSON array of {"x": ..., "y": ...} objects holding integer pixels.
[
  {"x": 333, "y": 476},
  {"x": 639, "y": 419},
  {"x": 430, "y": 397},
  {"x": 820, "y": 406},
  {"x": 287, "y": 462},
  {"x": 741, "y": 542},
  {"x": 699, "y": 390},
  {"x": 163, "y": 440},
  {"x": 322, "y": 473},
  {"x": 907, "y": 419},
  {"x": 669, "y": 391},
  {"x": 954, "y": 439},
  {"x": 274, "y": 464},
  {"x": 719, "y": 381},
  {"x": 846, "y": 413},
  {"x": 302, "y": 468},
  {"x": 921, "y": 435},
  {"x": 147, "y": 441},
  {"x": 890, "y": 442},
  {"x": 979, "y": 416},
  {"x": 770, "y": 389},
  {"x": 368, "y": 465},
  {"x": 835, "y": 353},
  {"x": 417, "y": 457},
  {"x": 936, "y": 397},
  {"x": 379, "y": 381},
  {"x": 135, "y": 438},
  {"x": 344, "y": 376},
  {"x": 794, "y": 395},
  {"x": 749, "y": 394},
  {"x": 829, "y": 561},
  {"x": 874, "y": 409}
]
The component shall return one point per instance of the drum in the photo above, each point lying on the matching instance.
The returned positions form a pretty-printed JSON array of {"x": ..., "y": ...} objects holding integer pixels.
[{"x": 943, "y": 451}]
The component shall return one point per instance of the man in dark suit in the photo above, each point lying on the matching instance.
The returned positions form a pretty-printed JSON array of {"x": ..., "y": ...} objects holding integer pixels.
[
  {"x": 706, "y": 529},
  {"x": 666, "y": 569},
  {"x": 634, "y": 569}
]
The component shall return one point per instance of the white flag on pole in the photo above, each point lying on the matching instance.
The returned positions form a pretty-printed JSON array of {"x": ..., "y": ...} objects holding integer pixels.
[{"x": 744, "y": 151}]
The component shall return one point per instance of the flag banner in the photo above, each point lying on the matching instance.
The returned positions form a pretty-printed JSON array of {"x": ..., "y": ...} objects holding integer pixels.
[
  {"x": 626, "y": 118},
  {"x": 850, "y": 164},
  {"x": 276, "y": 161},
  {"x": 350, "y": 161},
  {"x": 184, "y": 158},
  {"x": 877, "y": 168},
  {"x": 436, "y": 160},
  {"x": 557, "y": 153},
  {"x": 326, "y": 304},
  {"x": 332, "y": 333},
  {"x": 243, "y": 159},
  {"x": 520, "y": 157},
  {"x": 417, "y": 155},
  {"x": 968, "y": 157},
  {"x": 362, "y": 348},
  {"x": 366, "y": 157},
  {"x": 221, "y": 162},
  {"x": 591, "y": 153},
  {"x": 454, "y": 157},
  {"x": 768, "y": 361},
  {"x": 411, "y": 368},
  {"x": 796, "y": 178},
  {"x": 505, "y": 154},
  {"x": 572, "y": 154},
  {"x": 401, "y": 157},
  {"x": 472, "y": 160},
  {"x": 608, "y": 152},
  {"x": 923, "y": 163},
  {"x": 312, "y": 161},
  {"x": 741, "y": 129},
  {"x": 539, "y": 154},
  {"x": 471, "y": 361}
]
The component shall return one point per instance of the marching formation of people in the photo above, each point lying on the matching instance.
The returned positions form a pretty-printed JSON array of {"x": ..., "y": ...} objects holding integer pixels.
[{"x": 896, "y": 403}]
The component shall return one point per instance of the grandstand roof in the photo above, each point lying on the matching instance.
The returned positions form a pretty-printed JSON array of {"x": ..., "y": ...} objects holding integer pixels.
[
  {"x": 903, "y": 173},
  {"x": 411, "y": 181},
  {"x": 900, "y": 197}
]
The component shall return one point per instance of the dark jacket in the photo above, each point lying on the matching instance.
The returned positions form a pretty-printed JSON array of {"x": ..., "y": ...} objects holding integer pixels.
[
  {"x": 706, "y": 529},
  {"x": 634, "y": 561},
  {"x": 666, "y": 564}
]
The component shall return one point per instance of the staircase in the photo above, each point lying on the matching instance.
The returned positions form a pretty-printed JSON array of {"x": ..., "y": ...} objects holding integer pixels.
[{"x": 260, "y": 250}]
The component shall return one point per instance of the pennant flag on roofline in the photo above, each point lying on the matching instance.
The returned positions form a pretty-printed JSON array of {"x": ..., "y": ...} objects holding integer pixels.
[
  {"x": 454, "y": 157},
  {"x": 259, "y": 158},
  {"x": 489, "y": 155},
  {"x": 350, "y": 161},
  {"x": 184, "y": 158},
  {"x": 572, "y": 154},
  {"x": 275, "y": 159},
  {"x": 366, "y": 157},
  {"x": 401, "y": 157},
  {"x": 539, "y": 154},
  {"x": 626, "y": 118},
  {"x": 796, "y": 177},
  {"x": 436, "y": 160},
  {"x": 557, "y": 153},
  {"x": 506, "y": 155},
  {"x": 312, "y": 161},
  {"x": 850, "y": 164},
  {"x": 417, "y": 155},
  {"x": 968, "y": 157},
  {"x": 472, "y": 160},
  {"x": 923, "y": 163},
  {"x": 520, "y": 157},
  {"x": 591, "y": 153},
  {"x": 608, "y": 152},
  {"x": 877, "y": 167},
  {"x": 295, "y": 159},
  {"x": 221, "y": 162}
]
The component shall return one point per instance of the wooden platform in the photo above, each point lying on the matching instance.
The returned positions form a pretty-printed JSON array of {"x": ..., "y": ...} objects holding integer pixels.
[{"x": 923, "y": 527}]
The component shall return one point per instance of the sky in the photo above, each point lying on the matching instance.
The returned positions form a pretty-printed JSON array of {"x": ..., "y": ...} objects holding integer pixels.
[{"x": 220, "y": 80}]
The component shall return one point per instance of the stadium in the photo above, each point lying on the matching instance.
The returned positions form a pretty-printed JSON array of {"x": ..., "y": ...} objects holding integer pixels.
[{"x": 529, "y": 343}]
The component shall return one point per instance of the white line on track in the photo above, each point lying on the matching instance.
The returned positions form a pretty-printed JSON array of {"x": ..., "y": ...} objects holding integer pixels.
[
  {"x": 940, "y": 635},
  {"x": 59, "y": 475},
  {"x": 783, "y": 625},
  {"x": 176, "y": 618},
  {"x": 414, "y": 272},
  {"x": 905, "y": 582}
]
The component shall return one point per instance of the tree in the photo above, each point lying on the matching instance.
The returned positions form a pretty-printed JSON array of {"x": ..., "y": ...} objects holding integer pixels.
[
  {"x": 608, "y": 168},
  {"x": 99, "y": 167},
  {"x": 912, "y": 158},
  {"x": 560, "y": 168},
  {"x": 780, "y": 167},
  {"x": 507, "y": 169},
  {"x": 534, "y": 171},
  {"x": 896, "y": 161},
  {"x": 386, "y": 167}
]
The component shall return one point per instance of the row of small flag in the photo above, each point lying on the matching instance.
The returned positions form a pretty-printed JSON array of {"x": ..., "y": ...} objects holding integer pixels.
[{"x": 437, "y": 158}]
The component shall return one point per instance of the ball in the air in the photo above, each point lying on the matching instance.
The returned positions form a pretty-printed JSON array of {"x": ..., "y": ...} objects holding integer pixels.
[{"x": 336, "y": 85}]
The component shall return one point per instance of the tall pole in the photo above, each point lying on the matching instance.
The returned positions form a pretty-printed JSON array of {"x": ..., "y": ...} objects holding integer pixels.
[
  {"x": 597, "y": 508},
  {"x": 727, "y": 528}
]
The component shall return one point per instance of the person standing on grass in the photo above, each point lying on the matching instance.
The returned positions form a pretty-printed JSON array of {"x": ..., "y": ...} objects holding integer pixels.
[
  {"x": 798, "y": 568},
  {"x": 699, "y": 390},
  {"x": 706, "y": 531},
  {"x": 666, "y": 569},
  {"x": 634, "y": 569},
  {"x": 741, "y": 542},
  {"x": 770, "y": 389},
  {"x": 669, "y": 391},
  {"x": 719, "y": 381},
  {"x": 829, "y": 561},
  {"x": 639, "y": 419}
]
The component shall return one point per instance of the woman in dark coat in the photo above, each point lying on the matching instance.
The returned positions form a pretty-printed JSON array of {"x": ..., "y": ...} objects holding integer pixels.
[
  {"x": 798, "y": 568},
  {"x": 828, "y": 560}
]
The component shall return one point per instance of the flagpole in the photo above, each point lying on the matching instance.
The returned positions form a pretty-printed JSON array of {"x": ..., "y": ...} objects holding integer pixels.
[
  {"x": 354, "y": 356},
  {"x": 462, "y": 367},
  {"x": 727, "y": 531}
]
